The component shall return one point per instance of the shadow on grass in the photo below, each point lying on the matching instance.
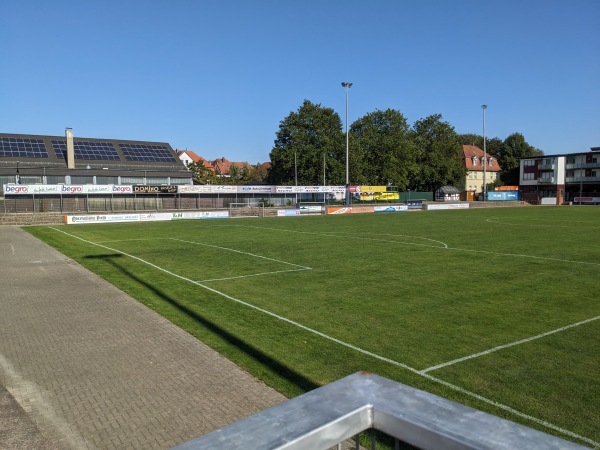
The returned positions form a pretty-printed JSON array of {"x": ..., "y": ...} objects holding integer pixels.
[{"x": 282, "y": 370}]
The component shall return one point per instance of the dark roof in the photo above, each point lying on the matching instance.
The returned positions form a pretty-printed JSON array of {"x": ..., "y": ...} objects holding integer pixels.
[
  {"x": 50, "y": 151},
  {"x": 27, "y": 155},
  {"x": 593, "y": 149},
  {"x": 449, "y": 190}
]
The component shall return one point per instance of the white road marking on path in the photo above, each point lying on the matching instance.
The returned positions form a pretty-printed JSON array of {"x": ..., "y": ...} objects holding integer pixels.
[
  {"x": 30, "y": 397},
  {"x": 512, "y": 344},
  {"x": 350, "y": 346}
]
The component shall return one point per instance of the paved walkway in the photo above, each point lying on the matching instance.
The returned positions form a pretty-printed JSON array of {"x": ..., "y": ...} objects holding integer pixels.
[{"x": 83, "y": 365}]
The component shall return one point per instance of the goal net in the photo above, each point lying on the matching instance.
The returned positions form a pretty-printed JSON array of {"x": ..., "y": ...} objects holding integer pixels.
[{"x": 247, "y": 209}]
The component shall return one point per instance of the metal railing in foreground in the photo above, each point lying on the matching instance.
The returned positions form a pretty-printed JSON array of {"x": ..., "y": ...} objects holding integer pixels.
[{"x": 327, "y": 416}]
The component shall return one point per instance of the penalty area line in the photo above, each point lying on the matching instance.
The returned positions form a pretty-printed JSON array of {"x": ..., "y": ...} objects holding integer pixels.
[
  {"x": 347, "y": 345},
  {"x": 253, "y": 275},
  {"x": 242, "y": 253},
  {"x": 511, "y": 344}
]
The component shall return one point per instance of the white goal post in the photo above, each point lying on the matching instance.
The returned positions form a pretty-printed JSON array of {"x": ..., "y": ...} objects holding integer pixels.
[{"x": 254, "y": 209}]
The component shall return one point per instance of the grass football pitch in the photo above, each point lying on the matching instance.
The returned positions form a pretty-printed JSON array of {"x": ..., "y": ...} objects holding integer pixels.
[{"x": 496, "y": 308}]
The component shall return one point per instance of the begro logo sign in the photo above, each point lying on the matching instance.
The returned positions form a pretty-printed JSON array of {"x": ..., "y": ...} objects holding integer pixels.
[
  {"x": 121, "y": 189},
  {"x": 71, "y": 189},
  {"x": 16, "y": 189}
]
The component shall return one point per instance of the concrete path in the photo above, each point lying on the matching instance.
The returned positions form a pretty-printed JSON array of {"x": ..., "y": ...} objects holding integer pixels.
[{"x": 83, "y": 365}]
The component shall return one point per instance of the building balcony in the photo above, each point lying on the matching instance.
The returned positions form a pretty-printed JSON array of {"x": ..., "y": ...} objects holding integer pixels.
[
  {"x": 546, "y": 166},
  {"x": 592, "y": 165},
  {"x": 337, "y": 412},
  {"x": 546, "y": 180},
  {"x": 582, "y": 179}
]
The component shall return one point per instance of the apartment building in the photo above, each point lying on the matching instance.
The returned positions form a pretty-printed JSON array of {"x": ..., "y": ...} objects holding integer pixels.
[{"x": 559, "y": 179}]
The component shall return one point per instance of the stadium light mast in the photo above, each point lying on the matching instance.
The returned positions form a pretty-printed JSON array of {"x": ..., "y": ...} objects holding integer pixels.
[
  {"x": 483, "y": 108},
  {"x": 347, "y": 86}
]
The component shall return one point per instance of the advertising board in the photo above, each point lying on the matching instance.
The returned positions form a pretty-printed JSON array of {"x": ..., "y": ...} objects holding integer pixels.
[
  {"x": 393, "y": 208},
  {"x": 145, "y": 189},
  {"x": 338, "y": 210},
  {"x": 288, "y": 212},
  {"x": 152, "y": 217},
  {"x": 441, "y": 206},
  {"x": 66, "y": 189},
  {"x": 503, "y": 195},
  {"x": 586, "y": 199},
  {"x": 255, "y": 189}
]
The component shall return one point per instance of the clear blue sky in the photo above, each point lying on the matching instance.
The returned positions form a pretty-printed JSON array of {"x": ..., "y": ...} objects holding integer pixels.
[{"x": 217, "y": 77}]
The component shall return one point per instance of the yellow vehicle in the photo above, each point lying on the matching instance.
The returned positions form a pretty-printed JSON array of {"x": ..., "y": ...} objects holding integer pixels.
[{"x": 386, "y": 196}]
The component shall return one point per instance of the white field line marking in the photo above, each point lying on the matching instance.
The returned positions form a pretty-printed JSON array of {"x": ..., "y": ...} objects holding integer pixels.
[
  {"x": 512, "y": 344},
  {"x": 252, "y": 275},
  {"x": 347, "y": 345},
  {"x": 348, "y": 236},
  {"x": 31, "y": 397},
  {"x": 301, "y": 268},
  {"x": 513, "y": 411},
  {"x": 243, "y": 253},
  {"x": 409, "y": 236},
  {"x": 127, "y": 240},
  {"x": 531, "y": 225}
]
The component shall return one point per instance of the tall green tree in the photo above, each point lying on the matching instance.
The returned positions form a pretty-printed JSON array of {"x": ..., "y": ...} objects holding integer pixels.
[
  {"x": 202, "y": 174},
  {"x": 236, "y": 175},
  {"x": 439, "y": 155},
  {"x": 307, "y": 139},
  {"x": 382, "y": 150},
  {"x": 514, "y": 147}
]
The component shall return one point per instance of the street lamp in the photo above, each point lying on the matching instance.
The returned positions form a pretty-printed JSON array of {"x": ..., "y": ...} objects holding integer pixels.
[
  {"x": 483, "y": 108},
  {"x": 347, "y": 86}
]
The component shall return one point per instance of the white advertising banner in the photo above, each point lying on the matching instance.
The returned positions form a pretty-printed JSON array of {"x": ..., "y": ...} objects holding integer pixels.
[
  {"x": 151, "y": 217},
  {"x": 24, "y": 189},
  {"x": 256, "y": 189},
  {"x": 391, "y": 208},
  {"x": 66, "y": 189},
  {"x": 308, "y": 189},
  {"x": 79, "y": 189},
  {"x": 440, "y": 206},
  {"x": 207, "y": 189}
]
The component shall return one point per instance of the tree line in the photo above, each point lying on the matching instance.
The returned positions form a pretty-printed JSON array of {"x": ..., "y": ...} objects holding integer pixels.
[{"x": 310, "y": 149}]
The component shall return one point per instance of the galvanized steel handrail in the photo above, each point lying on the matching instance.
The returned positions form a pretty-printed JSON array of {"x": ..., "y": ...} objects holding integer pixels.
[{"x": 333, "y": 413}]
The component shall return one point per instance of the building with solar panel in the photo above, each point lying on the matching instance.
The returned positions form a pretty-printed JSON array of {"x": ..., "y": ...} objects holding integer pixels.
[{"x": 33, "y": 159}]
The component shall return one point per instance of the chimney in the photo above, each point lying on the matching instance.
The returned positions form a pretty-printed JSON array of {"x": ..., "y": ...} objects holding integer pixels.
[{"x": 70, "y": 148}]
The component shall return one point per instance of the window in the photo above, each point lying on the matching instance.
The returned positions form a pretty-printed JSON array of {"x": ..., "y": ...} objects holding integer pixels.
[
  {"x": 528, "y": 176},
  {"x": 491, "y": 162},
  {"x": 474, "y": 160},
  {"x": 529, "y": 162}
]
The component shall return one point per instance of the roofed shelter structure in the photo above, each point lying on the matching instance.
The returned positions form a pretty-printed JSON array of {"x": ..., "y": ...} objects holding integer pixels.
[{"x": 39, "y": 159}]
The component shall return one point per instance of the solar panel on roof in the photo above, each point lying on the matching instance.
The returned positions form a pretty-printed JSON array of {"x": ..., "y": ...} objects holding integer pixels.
[
  {"x": 23, "y": 147},
  {"x": 142, "y": 152},
  {"x": 86, "y": 150}
]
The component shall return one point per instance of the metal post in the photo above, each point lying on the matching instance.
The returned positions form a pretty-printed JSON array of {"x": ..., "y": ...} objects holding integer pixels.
[
  {"x": 484, "y": 107},
  {"x": 347, "y": 85},
  {"x": 296, "y": 176}
]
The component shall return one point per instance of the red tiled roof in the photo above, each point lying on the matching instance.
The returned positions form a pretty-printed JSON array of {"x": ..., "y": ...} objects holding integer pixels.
[{"x": 471, "y": 151}]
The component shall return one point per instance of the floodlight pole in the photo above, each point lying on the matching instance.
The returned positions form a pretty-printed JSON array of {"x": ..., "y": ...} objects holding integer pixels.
[
  {"x": 484, "y": 107},
  {"x": 347, "y": 86}
]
